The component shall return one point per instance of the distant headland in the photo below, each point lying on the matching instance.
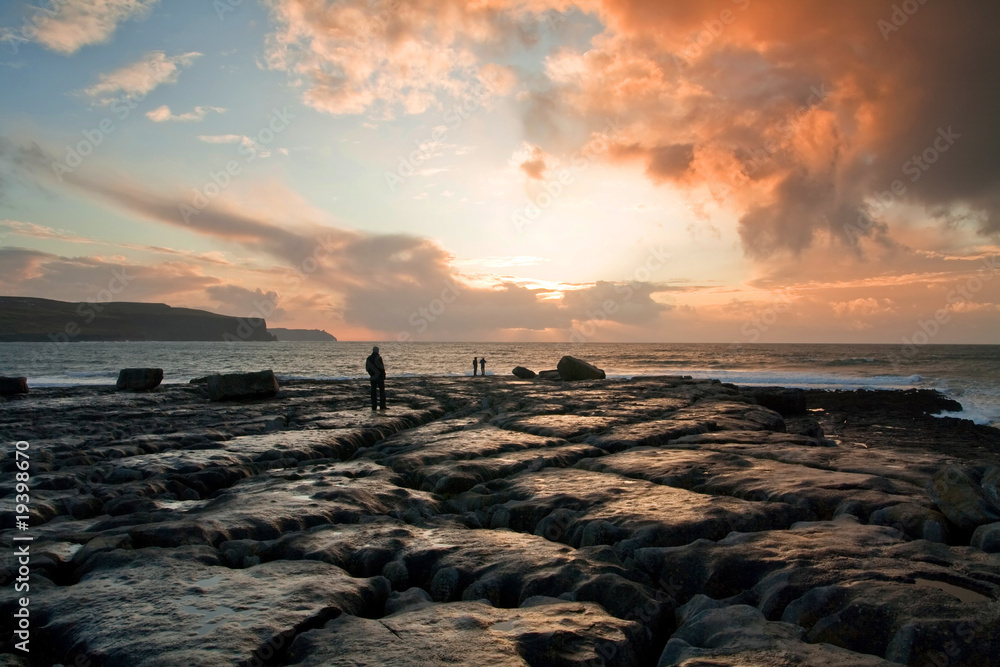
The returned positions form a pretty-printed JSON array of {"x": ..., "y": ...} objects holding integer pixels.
[
  {"x": 26, "y": 319},
  {"x": 302, "y": 335}
]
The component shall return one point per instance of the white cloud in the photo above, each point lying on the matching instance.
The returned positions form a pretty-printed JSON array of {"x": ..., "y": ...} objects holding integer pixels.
[
  {"x": 241, "y": 139},
  {"x": 69, "y": 25},
  {"x": 163, "y": 114},
  {"x": 354, "y": 57},
  {"x": 140, "y": 77},
  {"x": 971, "y": 307},
  {"x": 222, "y": 138}
]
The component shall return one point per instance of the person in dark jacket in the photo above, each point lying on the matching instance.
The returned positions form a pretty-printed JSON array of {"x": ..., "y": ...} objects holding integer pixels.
[
  {"x": 376, "y": 373},
  {"x": 482, "y": 366},
  {"x": 474, "y": 362}
]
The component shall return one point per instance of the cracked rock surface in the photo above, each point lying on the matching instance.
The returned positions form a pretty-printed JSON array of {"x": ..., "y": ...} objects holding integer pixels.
[{"x": 651, "y": 521}]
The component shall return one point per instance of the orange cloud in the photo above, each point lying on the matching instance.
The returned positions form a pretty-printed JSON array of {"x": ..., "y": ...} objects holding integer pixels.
[
  {"x": 26, "y": 272},
  {"x": 535, "y": 166},
  {"x": 796, "y": 114}
]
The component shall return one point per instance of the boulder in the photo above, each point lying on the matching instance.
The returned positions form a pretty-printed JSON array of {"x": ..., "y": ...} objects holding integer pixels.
[
  {"x": 523, "y": 373},
  {"x": 232, "y": 386},
  {"x": 741, "y": 635},
  {"x": 139, "y": 379},
  {"x": 12, "y": 386},
  {"x": 102, "y": 544},
  {"x": 991, "y": 485},
  {"x": 917, "y": 521},
  {"x": 987, "y": 538},
  {"x": 786, "y": 402},
  {"x": 571, "y": 368},
  {"x": 808, "y": 427},
  {"x": 549, "y": 375},
  {"x": 959, "y": 494}
]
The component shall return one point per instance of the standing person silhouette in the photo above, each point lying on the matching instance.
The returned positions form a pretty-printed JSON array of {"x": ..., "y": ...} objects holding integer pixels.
[
  {"x": 474, "y": 362},
  {"x": 482, "y": 366},
  {"x": 376, "y": 373}
]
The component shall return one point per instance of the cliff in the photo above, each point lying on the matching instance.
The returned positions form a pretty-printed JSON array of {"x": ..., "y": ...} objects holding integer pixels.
[{"x": 25, "y": 319}]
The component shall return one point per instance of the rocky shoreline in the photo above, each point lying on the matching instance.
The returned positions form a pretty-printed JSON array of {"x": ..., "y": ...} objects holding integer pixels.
[{"x": 500, "y": 521}]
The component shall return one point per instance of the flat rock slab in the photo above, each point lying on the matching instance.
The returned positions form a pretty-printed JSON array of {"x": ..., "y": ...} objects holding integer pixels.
[
  {"x": 322, "y": 443},
  {"x": 420, "y": 447},
  {"x": 732, "y": 415},
  {"x": 268, "y": 504},
  {"x": 181, "y": 606},
  {"x": 660, "y": 432},
  {"x": 455, "y": 477},
  {"x": 818, "y": 492},
  {"x": 473, "y": 633},
  {"x": 882, "y": 587},
  {"x": 453, "y": 563},
  {"x": 692, "y": 420},
  {"x": 556, "y": 426},
  {"x": 561, "y": 504},
  {"x": 914, "y": 467}
]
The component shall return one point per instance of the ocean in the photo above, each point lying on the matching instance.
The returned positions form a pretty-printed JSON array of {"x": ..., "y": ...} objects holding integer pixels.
[{"x": 968, "y": 373}]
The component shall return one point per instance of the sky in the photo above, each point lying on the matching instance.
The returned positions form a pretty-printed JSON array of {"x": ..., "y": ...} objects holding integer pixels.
[{"x": 736, "y": 171}]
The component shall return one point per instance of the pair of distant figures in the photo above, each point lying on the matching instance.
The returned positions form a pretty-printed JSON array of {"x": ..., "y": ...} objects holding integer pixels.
[{"x": 482, "y": 365}]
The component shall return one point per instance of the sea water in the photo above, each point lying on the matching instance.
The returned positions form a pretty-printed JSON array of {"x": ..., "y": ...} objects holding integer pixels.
[{"x": 968, "y": 373}]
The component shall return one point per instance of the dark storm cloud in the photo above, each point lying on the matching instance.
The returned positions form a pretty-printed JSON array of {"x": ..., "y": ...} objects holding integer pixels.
[{"x": 803, "y": 110}]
